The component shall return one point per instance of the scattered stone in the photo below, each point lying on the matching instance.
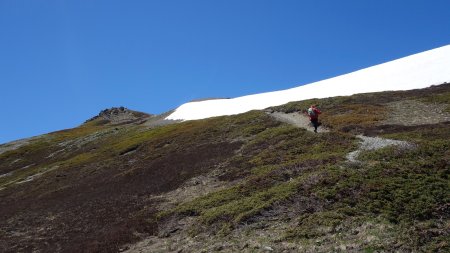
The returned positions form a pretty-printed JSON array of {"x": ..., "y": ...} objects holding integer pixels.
[
  {"x": 6, "y": 174},
  {"x": 124, "y": 249},
  {"x": 267, "y": 248},
  {"x": 120, "y": 115},
  {"x": 374, "y": 143}
]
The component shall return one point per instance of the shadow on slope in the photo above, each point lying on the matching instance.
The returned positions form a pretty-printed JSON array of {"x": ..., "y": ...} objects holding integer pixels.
[
  {"x": 92, "y": 188},
  {"x": 92, "y": 185}
]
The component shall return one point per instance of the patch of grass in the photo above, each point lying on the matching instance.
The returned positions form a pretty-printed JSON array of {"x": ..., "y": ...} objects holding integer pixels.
[
  {"x": 22, "y": 174},
  {"x": 348, "y": 114},
  {"x": 264, "y": 170},
  {"x": 231, "y": 206},
  {"x": 397, "y": 197},
  {"x": 135, "y": 137},
  {"x": 440, "y": 98},
  {"x": 298, "y": 106},
  {"x": 316, "y": 224},
  {"x": 270, "y": 163},
  {"x": 287, "y": 144},
  {"x": 81, "y": 131},
  {"x": 404, "y": 187},
  {"x": 361, "y": 115},
  {"x": 23, "y": 161},
  {"x": 99, "y": 186},
  {"x": 410, "y": 184},
  {"x": 245, "y": 207},
  {"x": 79, "y": 160}
]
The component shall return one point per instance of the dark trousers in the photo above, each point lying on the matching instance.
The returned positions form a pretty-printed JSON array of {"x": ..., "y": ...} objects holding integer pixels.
[{"x": 315, "y": 123}]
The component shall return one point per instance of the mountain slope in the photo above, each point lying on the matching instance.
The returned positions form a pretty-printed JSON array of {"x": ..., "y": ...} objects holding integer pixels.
[
  {"x": 416, "y": 71},
  {"x": 236, "y": 183}
]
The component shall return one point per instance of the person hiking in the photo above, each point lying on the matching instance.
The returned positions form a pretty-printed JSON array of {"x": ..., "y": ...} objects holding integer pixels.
[{"x": 313, "y": 113}]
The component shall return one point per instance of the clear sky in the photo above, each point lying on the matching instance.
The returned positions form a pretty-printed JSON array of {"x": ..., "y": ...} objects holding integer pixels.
[{"x": 61, "y": 62}]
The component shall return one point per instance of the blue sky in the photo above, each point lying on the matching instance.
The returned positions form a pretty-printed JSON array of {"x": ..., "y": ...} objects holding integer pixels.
[{"x": 61, "y": 62}]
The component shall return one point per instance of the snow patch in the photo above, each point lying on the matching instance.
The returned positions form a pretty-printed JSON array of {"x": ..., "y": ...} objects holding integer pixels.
[{"x": 413, "y": 72}]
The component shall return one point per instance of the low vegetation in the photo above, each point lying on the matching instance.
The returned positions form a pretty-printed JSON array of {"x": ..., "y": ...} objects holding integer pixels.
[
  {"x": 401, "y": 192},
  {"x": 93, "y": 188}
]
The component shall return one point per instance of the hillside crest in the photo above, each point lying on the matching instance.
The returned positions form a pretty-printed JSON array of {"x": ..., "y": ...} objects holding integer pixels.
[{"x": 412, "y": 72}]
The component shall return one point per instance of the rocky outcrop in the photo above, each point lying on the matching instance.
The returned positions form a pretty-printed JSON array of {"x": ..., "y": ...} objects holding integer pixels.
[{"x": 120, "y": 115}]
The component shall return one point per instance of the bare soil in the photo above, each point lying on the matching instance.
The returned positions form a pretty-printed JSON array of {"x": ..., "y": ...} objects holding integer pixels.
[
  {"x": 99, "y": 206},
  {"x": 296, "y": 119},
  {"x": 108, "y": 204},
  {"x": 414, "y": 112}
]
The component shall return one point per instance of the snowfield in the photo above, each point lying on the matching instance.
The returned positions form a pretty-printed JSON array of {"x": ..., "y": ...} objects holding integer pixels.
[{"x": 412, "y": 72}]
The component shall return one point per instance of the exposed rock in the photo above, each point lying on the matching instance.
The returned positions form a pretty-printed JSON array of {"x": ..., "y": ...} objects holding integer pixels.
[
  {"x": 375, "y": 143},
  {"x": 267, "y": 248},
  {"x": 120, "y": 115}
]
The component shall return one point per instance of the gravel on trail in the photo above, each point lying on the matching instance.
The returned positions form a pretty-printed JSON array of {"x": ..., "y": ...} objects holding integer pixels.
[
  {"x": 374, "y": 143},
  {"x": 366, "y": 142},
  {"x": 296, "y": 119}
]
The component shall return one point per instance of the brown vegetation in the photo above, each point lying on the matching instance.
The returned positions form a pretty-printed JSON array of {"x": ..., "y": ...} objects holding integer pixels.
[{"x": 93, "y": 188}]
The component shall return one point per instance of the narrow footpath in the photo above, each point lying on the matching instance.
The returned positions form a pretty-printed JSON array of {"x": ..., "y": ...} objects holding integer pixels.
[{"x": 296, "y": 119}]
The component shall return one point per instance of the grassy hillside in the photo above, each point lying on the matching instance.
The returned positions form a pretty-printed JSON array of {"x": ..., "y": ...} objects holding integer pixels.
[{"x": 237, "y": 183}]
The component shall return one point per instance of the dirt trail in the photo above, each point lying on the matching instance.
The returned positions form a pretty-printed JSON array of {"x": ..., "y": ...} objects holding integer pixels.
[
  {"x": 297, "y": 120},
  {"x": 366, "y": 143},
  {"x": 374, "y": 143}
]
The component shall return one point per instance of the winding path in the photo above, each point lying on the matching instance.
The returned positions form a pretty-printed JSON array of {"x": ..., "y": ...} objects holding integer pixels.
[
  {"x": 366, "y": 143},
  {"x": 296, "y": 119}
]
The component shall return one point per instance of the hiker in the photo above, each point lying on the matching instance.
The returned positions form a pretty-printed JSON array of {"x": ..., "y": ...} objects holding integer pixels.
[{"x": 313, "y": 113}]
